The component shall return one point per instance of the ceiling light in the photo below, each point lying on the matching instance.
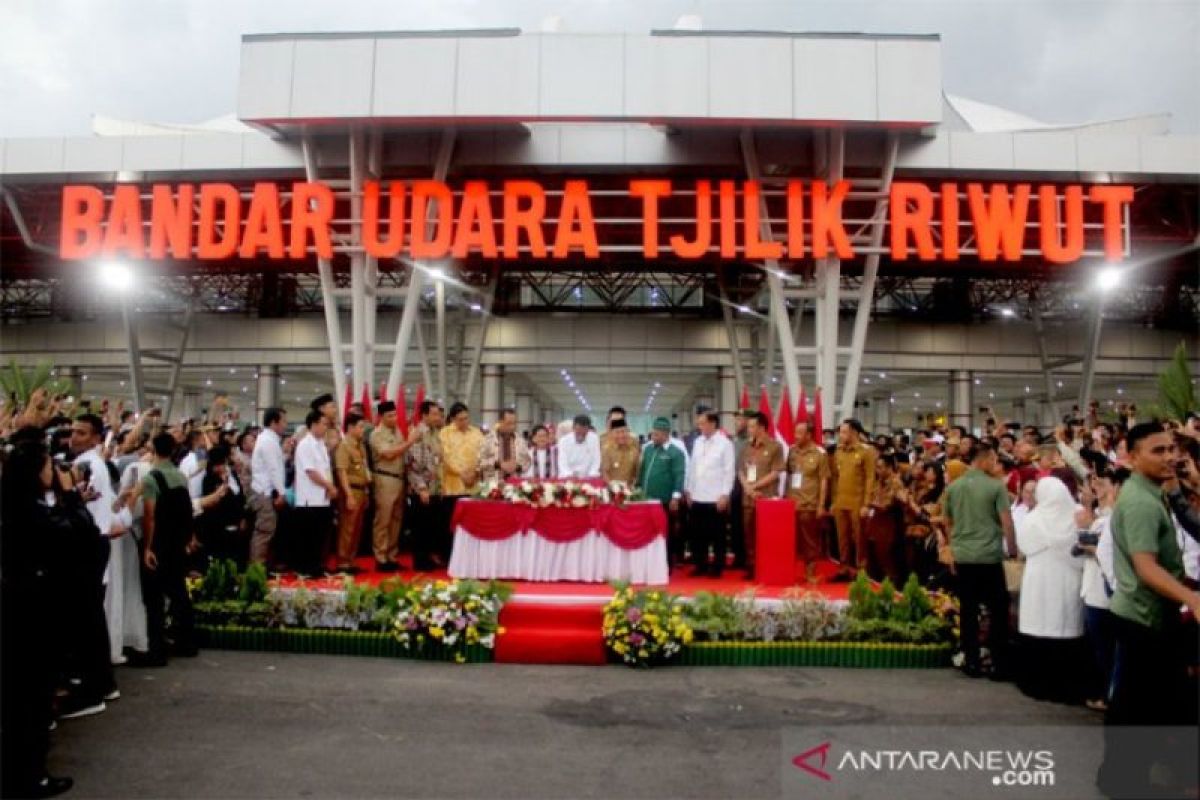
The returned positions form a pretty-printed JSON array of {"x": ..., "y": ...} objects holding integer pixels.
[
  {"x": 116, "y": 276},
  {"x": 1007, "y": 312},
  {"x": 1108, "y": 278}
]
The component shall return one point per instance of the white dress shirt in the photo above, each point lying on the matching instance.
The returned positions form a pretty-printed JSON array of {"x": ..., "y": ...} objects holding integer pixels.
[
  {"x": 711, "y": 473},
  {"x": 266, "y": 465},
  {"x": 101, "y": 483},
  {"x": 312, "y": 454},
  {"x": 578, "y": 459},
  {"x": 194, "y": 473}
]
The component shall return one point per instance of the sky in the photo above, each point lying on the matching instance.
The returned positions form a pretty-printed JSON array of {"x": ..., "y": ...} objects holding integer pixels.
[{"x": 61, "y": 61}]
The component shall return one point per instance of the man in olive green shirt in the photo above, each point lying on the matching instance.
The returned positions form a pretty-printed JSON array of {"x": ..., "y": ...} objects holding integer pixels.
[
  {"x": 979, "y": 525},
  {"x": 1150, "y": 678}
]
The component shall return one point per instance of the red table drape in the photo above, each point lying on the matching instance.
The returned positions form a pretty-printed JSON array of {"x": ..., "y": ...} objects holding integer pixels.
[{"x": 629, "y": 527}]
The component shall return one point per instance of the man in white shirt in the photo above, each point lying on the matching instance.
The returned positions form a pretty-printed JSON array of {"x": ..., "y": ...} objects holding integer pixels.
[
  {"x": 97, "y": 623},
  {"x": 707, "y": 487},
  {"x": 579, "y": 453},
  {"x": 315, "y": 491},
  {"x": 267, "y": 483}
]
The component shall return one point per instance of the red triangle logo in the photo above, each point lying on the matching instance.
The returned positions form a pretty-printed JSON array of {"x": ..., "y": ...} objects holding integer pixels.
[{"x": 802, "y": 760}]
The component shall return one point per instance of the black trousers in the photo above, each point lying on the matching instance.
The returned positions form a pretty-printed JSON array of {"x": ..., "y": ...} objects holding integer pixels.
[
  {"x": 1149, "y": 692},
  {"x": 737, "y": 533},
  {"x": 708, "y": 529},
  {"x": 28, "y": 665},
  {"x": 311, "y": 529},
  {"x": 167, "y": 584},
  {"x": 445, "y": 540},
  {"x": 427, "y": 522},
  {"x": 87, "y": 647},
  {"x": 982, "y": 585}
]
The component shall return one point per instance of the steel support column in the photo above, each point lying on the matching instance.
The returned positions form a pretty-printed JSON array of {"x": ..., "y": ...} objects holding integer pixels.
[
  {"x": 412, "y": 302},
  {"x": 962, "y": 384},
  {"x": 866, "y": 295},
  {"x": 136, "y": 383},
  {"x": 727, "y": 391},
  {"x": 268, "y": 387},
  {"x": 1043, "y": 354},
  {"x": 333, "y": 325},
  {"x": 778, "y": 315},
  {"x": 493, "y": 391},
  {"x": 1095, "y": 329},
  {"x": 829, "y": 279}
]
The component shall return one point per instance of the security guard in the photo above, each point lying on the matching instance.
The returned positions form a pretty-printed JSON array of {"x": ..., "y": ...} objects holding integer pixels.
[
  {"x": 354, "y": 483},
  {"x": 808, "y": 488},
  {"x": 388, "y": 447},
  {"x": 854, "y": 482}
]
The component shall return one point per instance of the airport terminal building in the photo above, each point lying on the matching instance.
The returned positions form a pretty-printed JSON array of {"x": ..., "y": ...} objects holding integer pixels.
[{"x": 562, "y": 222}]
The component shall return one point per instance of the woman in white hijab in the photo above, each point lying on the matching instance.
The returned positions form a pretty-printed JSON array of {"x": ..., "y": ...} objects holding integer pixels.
[{"x": 1051, "y": 611}]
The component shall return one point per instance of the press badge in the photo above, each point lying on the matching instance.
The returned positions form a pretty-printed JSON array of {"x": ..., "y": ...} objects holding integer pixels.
[
  {"x": 797, "y": 480},
  {"x": 752, "y": 473}
]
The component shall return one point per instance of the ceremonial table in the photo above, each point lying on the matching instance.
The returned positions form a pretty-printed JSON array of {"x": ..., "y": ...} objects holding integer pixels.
[{"x": 502, "y": 539}]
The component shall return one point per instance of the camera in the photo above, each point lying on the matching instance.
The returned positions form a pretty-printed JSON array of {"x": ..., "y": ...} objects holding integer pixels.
[{"x": 1084, "y": 539}]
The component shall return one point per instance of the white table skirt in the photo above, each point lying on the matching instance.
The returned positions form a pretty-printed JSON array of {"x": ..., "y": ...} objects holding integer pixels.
[{"x": 526, "y": 556}]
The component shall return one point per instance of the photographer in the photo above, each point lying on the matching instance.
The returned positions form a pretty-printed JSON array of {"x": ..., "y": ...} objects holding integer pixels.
[
  {"x": 38, "y": 539},
  {"x": 223, "y": 526}
]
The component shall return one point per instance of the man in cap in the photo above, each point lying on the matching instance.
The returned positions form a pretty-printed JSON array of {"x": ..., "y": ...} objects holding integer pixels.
[
  {"x": 660, "y": 476},
  {"x": 854, "y": 483},
  {"x": 388, "y": 447},
  {"x": 579, "y": 452},
  {"x": 619, "y": 456}
]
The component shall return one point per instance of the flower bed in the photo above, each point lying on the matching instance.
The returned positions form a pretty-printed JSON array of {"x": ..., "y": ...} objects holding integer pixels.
[
  {"x": 438, "y": 620},
  {"x": 879, "y": 627}
]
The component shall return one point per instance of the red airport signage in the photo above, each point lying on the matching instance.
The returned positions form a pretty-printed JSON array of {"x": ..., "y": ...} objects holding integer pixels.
[{"x": 214, "y": 221}]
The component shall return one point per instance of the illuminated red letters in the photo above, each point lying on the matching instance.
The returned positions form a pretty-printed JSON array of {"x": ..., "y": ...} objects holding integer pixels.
[{"x": 427, "y": 219}]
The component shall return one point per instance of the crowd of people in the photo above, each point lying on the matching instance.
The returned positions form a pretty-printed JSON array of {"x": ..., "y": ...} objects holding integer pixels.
[{"x": 105, "y": 515}]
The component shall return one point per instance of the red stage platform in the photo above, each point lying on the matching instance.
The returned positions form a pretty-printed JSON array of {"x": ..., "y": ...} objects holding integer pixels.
[{"x": 560, "y": 622}]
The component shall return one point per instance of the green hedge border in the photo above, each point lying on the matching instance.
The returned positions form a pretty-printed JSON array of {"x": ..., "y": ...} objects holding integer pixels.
[
  {"x": 867, "y": 655},
  {"x": 327, "y": 642}
]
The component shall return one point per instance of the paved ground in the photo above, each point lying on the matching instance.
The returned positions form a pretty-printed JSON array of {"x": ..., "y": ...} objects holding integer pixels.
[{"x": 262, "y": 725}]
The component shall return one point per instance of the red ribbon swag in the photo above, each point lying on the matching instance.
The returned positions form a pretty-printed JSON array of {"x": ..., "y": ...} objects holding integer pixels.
[{"x": 630, "y": 527}]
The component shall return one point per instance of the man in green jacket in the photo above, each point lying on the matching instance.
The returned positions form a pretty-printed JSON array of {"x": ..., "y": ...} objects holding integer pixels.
[{"x": 660, "y": 478}]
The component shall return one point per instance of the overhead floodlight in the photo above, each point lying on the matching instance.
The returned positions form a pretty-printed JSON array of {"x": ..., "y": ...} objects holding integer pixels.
[
  {"x": 1007, "y": 312},
  {"x": 476, "y": 307},
  {"x": 1108, "y": 278},
  {"x": 116, "y": 276},
  {"x": 437, "y": 273}
]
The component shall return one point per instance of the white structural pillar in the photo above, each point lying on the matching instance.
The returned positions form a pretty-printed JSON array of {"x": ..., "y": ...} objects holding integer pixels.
[
  {"x": 493, "y": 390},
  {"x": 882, "y": 413},
  {"x": 191, "y": 403},
  {"x": 829, "y": 283},
  {"x": 524, "y": 407},
  {"x": 727, "y": 391},
  {"x": 268, "y": 386},
  {"x": 962, "y": 384}
]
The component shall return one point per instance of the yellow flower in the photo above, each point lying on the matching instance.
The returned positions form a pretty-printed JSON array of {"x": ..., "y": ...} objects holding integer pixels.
[
  {"x": 654, "y": 595},
  {"x": 619, "y": 648},
  {"x": 460, "y": 658},
  {"x": 687, "y": 636},
  {"x": 436, "y": 632},
  {"x": 650, "y": 618},
  {"x": 643, "y": 654}
]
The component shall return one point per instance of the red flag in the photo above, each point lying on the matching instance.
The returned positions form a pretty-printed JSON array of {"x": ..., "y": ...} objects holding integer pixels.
[
  {"x": 346, "y": 401},
  {"x": 745, "y": 397},
  {"x": 802, "y": 407},
  {"x": 787, "y": 428},
  {"x": 420, "y": 398},
  {"x": 402, "y": 411},
  {"x": 818, "y": 420},
  {"x": 764, "y": 405},
  {"x": 383, "y": 391},
  {"x": 366, "y": 402}
]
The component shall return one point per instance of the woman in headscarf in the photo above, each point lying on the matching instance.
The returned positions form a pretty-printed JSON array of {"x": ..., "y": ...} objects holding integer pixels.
[{"x": 1051, "y": 611}]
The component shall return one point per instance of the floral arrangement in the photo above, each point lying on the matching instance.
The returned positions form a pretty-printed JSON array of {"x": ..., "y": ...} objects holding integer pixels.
[
  {"x": 557, "y": 494},
  {"x": 453, "y": 614},
  {"x": 883, "y": 615},
  {"x": 644, "y": 627},
  {"x": 801, "y": 616}
]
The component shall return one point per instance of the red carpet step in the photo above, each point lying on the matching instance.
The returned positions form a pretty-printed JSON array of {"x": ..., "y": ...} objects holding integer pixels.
[{"x": 551, "y": 633}]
